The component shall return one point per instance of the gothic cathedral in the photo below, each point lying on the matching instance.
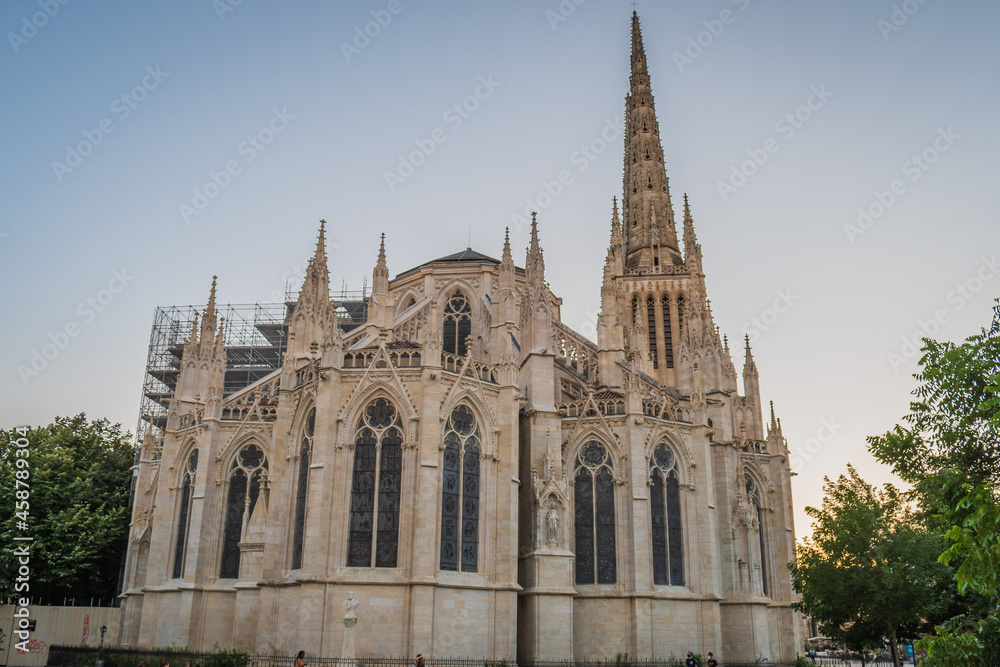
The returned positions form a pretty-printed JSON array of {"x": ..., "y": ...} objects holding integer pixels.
[{"x": 486, "y": 481}]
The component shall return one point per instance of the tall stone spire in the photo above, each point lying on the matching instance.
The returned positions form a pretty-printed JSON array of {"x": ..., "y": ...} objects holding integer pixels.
[{"x": 646, "y": 201}]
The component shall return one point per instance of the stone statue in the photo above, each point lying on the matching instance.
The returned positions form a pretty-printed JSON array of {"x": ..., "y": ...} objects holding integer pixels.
[
  {"x": 351, "y": 604},
  {"x": 552, "y": 520}
]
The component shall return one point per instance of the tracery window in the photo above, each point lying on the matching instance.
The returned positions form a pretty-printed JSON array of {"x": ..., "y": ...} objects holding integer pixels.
[
  {"x": 245, "y": 476},
  {"x": 457, "y": 323},
  {"x": 378, "y": 462},
  {"x": 668, "y": 340},
  {"x": 460, "y": 492},
  {"x": 651, "y": 326},
  {"x": 302, "y": 488},
  {"x": 680, "y": 314},
  {"x": 183, "y": 517},
  {"x": 753, "y": 493},
  {"x": 665, "y": 513},
  {"x": 594, "y": 516}
]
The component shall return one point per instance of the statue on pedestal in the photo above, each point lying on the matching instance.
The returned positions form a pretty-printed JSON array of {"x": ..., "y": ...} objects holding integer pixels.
[{"x": 351, "y": 605}]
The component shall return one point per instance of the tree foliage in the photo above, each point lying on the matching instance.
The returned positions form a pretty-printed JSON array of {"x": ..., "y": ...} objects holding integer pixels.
[
  {"x": 77, "y": 509},
  {"x": 870, "y": 571},
  {"x": 949, "y": 450},
  {"x": 952, "y": 422}
]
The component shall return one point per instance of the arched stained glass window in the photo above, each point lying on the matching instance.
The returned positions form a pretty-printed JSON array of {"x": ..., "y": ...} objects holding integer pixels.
[
  {"x": 183, "y": 517},
  {"x": 375, "y": 489},
  {"x": 594, "y": 510},
  {"x": 665, "y": 513},
  {"x": 245, "y": 476},
  {"x": 460, "y": 491},
  {"x": 753, "y": 493},
  {"x": 302, "y": 489},
  {"x": 457, "y": 323}
]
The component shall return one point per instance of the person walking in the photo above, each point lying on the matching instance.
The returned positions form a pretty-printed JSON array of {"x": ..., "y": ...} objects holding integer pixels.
[
  {"x": 712, "y": 662},
  {"x": 691, "y": 661},
  {"x": 419, "y": 660},
  {"x": 300, "y": 659}
]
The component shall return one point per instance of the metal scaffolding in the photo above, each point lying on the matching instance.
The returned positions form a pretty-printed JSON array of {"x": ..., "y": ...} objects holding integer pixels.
[{"x": 255, "y": 336}]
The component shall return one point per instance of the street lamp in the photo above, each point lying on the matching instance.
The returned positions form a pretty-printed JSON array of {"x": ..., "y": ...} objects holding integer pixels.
[{"x": 100, "y": 650}]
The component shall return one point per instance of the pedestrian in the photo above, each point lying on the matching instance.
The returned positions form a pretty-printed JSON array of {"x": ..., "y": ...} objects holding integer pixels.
[
  {"x": 691, "y": 661},
  {"x": 300, "y": 659},
  {"x": 712, "y": 662},
  {"x": 419, "y": 662}
]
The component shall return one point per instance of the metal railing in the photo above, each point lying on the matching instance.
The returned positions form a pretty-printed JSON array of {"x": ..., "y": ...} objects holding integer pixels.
[{"x": 85, "y": 656}]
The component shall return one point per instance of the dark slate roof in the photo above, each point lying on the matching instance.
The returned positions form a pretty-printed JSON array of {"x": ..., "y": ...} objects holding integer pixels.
[
  {"x": 403, "y": 345},
  {"x": 605, "y": 395},
  {"x": 467, "y": 255}
]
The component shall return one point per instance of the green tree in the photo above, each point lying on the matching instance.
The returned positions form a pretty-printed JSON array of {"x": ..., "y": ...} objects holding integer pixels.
[
  {"x": 77, "y": 511},
  {"x": 949, "y": 448},
  {"x": 870, "y": 572}
]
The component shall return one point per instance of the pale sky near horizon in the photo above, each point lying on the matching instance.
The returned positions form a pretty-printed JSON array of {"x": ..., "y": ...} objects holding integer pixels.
[{"x": 116, "y": 115}]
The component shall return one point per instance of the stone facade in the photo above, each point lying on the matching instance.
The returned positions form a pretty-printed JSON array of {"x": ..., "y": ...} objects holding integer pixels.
[{"x": 487, "y": 481}]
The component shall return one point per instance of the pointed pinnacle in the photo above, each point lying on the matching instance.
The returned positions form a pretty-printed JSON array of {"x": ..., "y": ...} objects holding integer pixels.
[
  {"x": 749, "y": 353},
  {"x": 210, "y": 310},
  {"x": 616, "y": 225},
  {"x": 506, "y": 247},
  {"x": 381, "y": 251},
  {"x": 321, "y": 242},
  {"x": 534, "y": 233},
  {"x": 774, "y": 423},
  {"x": 193, "y": 338}
]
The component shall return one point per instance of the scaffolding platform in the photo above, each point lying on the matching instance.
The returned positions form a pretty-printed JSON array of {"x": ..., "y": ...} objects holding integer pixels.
[{"x": 255, "y": 336}]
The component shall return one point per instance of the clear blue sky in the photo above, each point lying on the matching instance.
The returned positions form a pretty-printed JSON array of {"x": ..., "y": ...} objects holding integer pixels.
[{"x": 345, "y": 120}]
